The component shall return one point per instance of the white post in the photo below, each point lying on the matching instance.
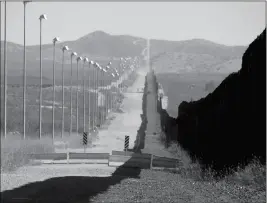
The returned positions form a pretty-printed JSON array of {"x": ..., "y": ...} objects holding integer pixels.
[
  {"x": 5, "y": 73},
  {"x": 151, "y": 161},
  {"x": 41, "y": 84},
  {"x": 68, "y": 152}
]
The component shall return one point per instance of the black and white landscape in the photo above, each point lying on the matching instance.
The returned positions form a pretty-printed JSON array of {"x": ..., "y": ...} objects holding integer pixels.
[{"x": 188, "y": 89}]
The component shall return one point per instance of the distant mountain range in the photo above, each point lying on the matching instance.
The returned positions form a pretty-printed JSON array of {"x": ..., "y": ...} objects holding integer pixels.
[
  {"x": 103, "y": 47},
  {"x": 196, "y": 55}
]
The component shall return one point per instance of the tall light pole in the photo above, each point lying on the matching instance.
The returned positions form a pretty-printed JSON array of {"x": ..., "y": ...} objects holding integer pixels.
[
  {"x": 24, "y": 71},
  {"x": 108, "y": 88},
  {"x": 110, "y": 81},
  {"x": 104, "y": 95},
  {"x": 108, "y": 85},
  {"x": 97, "y": 77},
  {"x": 94, "y": 88},
  {"x": 111, "y": 101},
  {"x": 73, "y": 54},
  {"x": 117, "y": 85},
  {"x": 42, "y": 17},
  {"x": 55, "y": 40},
  {"x": 96, "y": 94},
  {"x": 77, "y": 95},
  {"x": 89, "y": 98},
  {"x": 65, "y": 48},
  {"x": 101, "y": 96},
  {"x": 5, "y": 76},
  {"x": 85, "y": 59},
  {"x": 1, "y": 68}
]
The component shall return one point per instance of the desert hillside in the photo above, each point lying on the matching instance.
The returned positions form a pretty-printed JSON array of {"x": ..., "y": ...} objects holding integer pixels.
[{"x": 193, "y": 56}]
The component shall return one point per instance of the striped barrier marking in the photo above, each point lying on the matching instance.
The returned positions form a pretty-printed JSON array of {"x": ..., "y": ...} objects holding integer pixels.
[
  {"x": 126, "y": 142},
  {"x": 49, "y": 156},
  {"x": 73, "y": 155},
  {"x": 85, "y": 136}
]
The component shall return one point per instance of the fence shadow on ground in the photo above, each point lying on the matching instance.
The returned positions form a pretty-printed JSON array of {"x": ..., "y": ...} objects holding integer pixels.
[{"x": 67, "y": 189}]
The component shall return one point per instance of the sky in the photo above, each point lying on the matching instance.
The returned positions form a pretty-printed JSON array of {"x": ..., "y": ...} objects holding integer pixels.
[{"x": 229, "y": 23}]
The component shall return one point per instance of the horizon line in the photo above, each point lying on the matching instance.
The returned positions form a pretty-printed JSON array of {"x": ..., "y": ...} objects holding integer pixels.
[{"x": 145, "y": 38}]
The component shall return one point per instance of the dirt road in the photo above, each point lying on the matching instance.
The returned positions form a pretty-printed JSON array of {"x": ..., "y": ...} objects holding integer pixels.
[{"x": 112, "y": 138}]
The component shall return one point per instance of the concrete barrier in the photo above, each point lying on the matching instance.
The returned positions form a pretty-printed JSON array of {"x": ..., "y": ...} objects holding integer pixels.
[
  {"x": 48, "y": 156},
  {"x": 73, "y": 161},
  {"x": 99, "y": 156},
  {"x": 122, "y": 153},
  {"x": 135, "y": 160},
  {"x": 117, "y": 158},
  {"x": 165, "y": 162},
  {"x": 129, "y": 153}
]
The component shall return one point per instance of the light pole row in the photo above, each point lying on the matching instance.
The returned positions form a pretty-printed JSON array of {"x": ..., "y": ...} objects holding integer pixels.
[
  {"x": 98, "y": 74},
  {"x": 55, "y": 40}
]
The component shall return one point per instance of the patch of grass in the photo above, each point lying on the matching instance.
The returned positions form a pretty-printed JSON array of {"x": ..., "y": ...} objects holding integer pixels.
[
  {"x": 14, "y": 151},
  {"x": 251, "y": 181},
  {"x": 162, "y": 186},
  {"x": 189, "y": 184}
]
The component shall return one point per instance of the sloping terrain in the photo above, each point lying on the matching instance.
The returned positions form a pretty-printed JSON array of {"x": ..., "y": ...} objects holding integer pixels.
[
  {"x": 181, "y": 62},
  {"x": 196, "y": 55}
]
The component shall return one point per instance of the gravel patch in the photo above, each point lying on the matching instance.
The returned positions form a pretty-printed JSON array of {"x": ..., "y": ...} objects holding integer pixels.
[{"x": 160, "y": 186}]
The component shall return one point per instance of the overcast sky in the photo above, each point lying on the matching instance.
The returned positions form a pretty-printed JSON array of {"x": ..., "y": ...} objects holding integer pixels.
[{"x": 226, "y": 23}]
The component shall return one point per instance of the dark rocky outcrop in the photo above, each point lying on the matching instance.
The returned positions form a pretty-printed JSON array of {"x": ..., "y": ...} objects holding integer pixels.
[{"x": 227, "y": 128}]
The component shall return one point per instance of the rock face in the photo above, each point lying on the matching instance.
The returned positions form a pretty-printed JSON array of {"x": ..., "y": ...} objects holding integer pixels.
[{"x": 228, "y": 126}]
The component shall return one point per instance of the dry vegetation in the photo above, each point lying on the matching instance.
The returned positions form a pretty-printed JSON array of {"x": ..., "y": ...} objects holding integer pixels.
[
  {"x": 244, "y": 185},
  {"x": 14, "y": 151},
  {"x": 189, "y": 184}
]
